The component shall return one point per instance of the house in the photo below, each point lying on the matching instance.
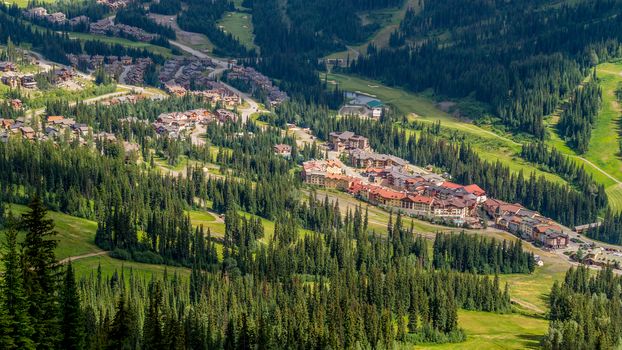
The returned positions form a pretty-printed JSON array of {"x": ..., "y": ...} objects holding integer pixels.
[
  {"x": 63, "y": 74},
  {"x": 375, "y": 107},
  {"x": 283, "y": 150},
  {"x": 52, "y": 119},
  {"x": 16, "y": 103},
  {"x": 126, "y": 60},
  {"x": 36, "y": 12},
  {"x": 27, "y": 132},
  {"x": 454, "y": 208},
  {"x": 11, "y": 80},
  {"x": 7, "y": 66},
  {"x": 581, "y": 229},
  {"x": 223, "y": 115},
  {"x": 29, "y": 82},
  {"x": 56, "y": 18}
]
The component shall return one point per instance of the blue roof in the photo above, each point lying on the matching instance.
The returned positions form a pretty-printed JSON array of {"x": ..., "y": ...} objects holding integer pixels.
[{"x": 374, "y": 104}]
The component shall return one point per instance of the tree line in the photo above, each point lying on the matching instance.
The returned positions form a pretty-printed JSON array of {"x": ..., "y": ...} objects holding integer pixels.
[
  {"x": 578, "y": 117},
  {"x": 504, "y": 54},
  {"x": 585, "y": 311},
  {"x": 318, "y": 290}
]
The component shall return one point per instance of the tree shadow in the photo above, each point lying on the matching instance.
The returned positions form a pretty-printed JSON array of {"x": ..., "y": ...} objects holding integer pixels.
[{"x": 531, "y": 341}]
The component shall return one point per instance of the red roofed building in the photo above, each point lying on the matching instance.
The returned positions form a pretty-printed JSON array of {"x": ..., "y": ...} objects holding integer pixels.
[
  {"x": 477, "y": 192},
  {"x": 418, "y": 205},
  {"x": 384, "y": 196}
]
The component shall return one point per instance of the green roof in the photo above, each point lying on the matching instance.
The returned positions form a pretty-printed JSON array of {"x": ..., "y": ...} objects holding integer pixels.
[{"x": 374, "y": 104}]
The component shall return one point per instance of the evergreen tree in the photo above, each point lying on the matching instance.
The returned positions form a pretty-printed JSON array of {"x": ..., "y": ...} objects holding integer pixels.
[
  {"x": 73, "y": 321},
  {"x": 39, "y": 269},
  {"x": 15, "y": 327}
]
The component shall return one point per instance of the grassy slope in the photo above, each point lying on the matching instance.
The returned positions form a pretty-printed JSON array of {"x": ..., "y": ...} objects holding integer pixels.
[
  {"x": 125, "y": 42},
  {"x": 389, "y": 20},
  {"x": 491, "y": 331},
  {"x": 240, "y": 25},
  {"x": 109, "y": 265},
  {"x": 603, "y": 149},
  {"x": 75, "y": 236}
]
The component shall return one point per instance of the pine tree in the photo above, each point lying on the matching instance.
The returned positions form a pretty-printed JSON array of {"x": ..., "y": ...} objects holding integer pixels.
[
  {"x": 73, "y": 319},
  {"x": 16, "y": 329},
  {"x": 39, "y": 268},
  {"x": 119, "y": 337},
  {"x": 152, "y": 329}
]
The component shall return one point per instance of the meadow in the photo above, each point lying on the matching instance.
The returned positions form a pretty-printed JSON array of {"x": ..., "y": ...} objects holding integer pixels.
[
  {"x": 240, "y": 25},
  {"x": 166, "y": 52}
]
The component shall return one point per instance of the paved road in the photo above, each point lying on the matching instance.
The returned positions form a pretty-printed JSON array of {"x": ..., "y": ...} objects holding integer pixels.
[{"x": 222, "y": 66}]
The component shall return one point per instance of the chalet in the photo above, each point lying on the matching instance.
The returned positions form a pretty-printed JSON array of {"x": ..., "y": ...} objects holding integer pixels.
[
  {"x": 6, "y": 123},
  {"x": 52, "y": 119},
  {"x": 36, "y": 12},
  {"x": 283, "y": 150},
  {"x": 51, "y": 132},
  {"x": 78, "y": 20},
  {"x": 581, "y": 229},
  {"x": 126, "y": 60},
  {"x": 480, "y": 195},
  {"x": 16, "y": 103},
  {"x": 63, "y": 74},
  {"x": 554, "y": 239},
  {"x": 11, "y": 80},
  {"x": 27, "y": 132},
  {"x": 223, "y": 115},
  {"x": 28, "y": 82},
  {"x": 56, "y": 18},
  {"x": 175, "y": 89},
  {"x": 7, "y": 66}
]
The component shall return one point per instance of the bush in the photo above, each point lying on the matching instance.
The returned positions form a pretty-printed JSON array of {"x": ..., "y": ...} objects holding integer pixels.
[
  {"x": 148, "y": 257},
  {"x": 121, "y": 254}
]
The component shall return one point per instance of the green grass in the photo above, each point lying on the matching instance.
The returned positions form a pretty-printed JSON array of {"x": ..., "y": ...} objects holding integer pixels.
[
  {"x": 388, "y": 20},
  {"x": 109, "y": 265},
  {"x": 603, "y": 149},
  {"x": 24, "y": 3},
  {"x": 124, "y": 42},
  {"x": 75, "y": 237},
  {"x": 240, "y": 25},
  {"x": 495, "y": 331},
  {"x": 201, "y": 217}
]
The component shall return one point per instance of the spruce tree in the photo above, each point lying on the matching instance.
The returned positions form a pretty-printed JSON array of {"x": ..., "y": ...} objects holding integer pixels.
[
  {"x": 73, "y": 320},
  {"x": 16, "y": 327},
  {"x": 39, "y": 269},
  {"x": 119, "y": 337}
]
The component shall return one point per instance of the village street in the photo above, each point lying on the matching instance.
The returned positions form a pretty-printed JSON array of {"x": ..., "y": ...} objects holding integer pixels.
[{"x": 245, "y": 113}]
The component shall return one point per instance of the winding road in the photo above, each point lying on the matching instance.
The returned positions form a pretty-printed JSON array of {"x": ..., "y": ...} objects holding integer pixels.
[{"x": 253, "y": 107}]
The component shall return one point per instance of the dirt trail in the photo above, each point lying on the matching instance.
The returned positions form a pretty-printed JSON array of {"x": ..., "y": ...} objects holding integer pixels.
[{"x": 78, "y": 257}]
